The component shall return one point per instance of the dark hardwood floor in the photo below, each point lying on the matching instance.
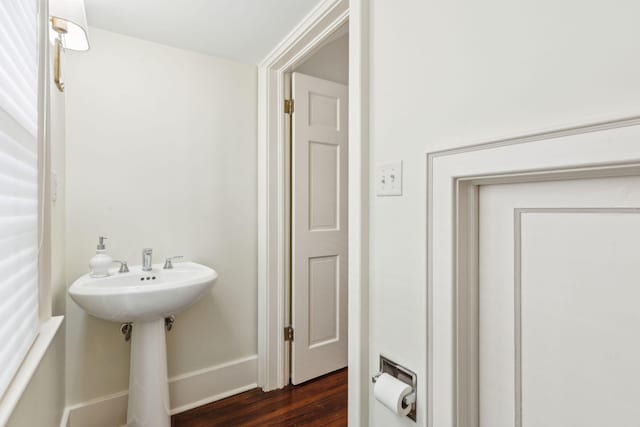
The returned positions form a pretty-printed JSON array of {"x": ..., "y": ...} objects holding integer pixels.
[{"x": 320, "y": 402}]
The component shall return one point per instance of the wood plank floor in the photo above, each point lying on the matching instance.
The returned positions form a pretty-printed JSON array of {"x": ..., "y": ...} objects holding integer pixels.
[{"x": 320, "y": 402}]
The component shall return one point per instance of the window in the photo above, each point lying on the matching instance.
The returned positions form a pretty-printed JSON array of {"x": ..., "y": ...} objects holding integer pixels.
[{"x": 19, "y": 238}]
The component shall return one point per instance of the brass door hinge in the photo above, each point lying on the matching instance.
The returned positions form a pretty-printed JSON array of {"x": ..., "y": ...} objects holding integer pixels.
[
  {"x": 288, "y": 333},
  {"x": 288, "y": 106}
]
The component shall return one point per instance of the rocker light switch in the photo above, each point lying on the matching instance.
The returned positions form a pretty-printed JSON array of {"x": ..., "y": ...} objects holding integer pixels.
[{"x": 389, "y": 179}]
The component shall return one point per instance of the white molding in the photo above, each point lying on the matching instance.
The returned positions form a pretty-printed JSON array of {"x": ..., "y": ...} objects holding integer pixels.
[
  {"x": 107, "y": 411},
  {"x": 64, "y": 421},
  {"x": 359, "y": 372},
  {"x": 187, "y": 391},
  {"x": 300, "y": 32},
  {"x": 312, "y": 31},
  {"x": 537, "y": 135},
  {"x": 208, "y": 385},
  {"x": 602, "y": 149},
  {"x": 46, "y": 335}
]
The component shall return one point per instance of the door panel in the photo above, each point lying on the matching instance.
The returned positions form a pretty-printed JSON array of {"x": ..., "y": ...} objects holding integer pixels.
[
  {"x": 558, "y": 303},
  {"x": 324, "y": 288},
  {"x": 324, "y": 194},
  {"x": 319, "y": 227}
]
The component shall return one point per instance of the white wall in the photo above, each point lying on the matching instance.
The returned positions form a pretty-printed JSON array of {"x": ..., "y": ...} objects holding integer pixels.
[
  {"x": 445, "y": 74},
  {"x": 331, "y": 62},
  {"x": 161, "y": 153}
]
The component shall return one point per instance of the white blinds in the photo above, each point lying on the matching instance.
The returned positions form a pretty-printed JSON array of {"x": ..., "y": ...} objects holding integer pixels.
[{"x": 18, "y": 183}]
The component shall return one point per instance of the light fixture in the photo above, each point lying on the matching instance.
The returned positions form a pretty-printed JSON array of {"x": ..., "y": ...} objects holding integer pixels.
[{"x": 69, "y": 30}]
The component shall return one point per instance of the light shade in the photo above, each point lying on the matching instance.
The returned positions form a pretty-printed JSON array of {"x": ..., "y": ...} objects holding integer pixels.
[{"x": 71, "y": 13}]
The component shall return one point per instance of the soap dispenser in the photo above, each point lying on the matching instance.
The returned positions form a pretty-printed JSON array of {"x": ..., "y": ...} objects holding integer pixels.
[{"x": 101, "y": 262}]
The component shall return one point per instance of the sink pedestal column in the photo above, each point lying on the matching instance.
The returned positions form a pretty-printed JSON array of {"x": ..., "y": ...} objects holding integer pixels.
[{"x": 148, "y": 382}]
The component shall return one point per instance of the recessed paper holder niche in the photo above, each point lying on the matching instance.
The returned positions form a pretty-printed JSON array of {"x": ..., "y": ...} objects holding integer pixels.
[{"x": 403, "y": 374}]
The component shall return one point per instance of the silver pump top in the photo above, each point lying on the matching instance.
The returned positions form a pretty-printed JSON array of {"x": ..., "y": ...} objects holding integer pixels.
[{"x": 101, "y": 245}]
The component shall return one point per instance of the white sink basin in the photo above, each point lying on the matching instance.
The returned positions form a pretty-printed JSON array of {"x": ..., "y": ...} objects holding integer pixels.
[
  {"x": 143, "y": 295},
  {"x": 145, "y": 299}
]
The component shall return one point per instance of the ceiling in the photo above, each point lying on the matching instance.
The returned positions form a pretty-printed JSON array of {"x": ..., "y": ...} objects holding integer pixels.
[{"x": 242, "y": 30}]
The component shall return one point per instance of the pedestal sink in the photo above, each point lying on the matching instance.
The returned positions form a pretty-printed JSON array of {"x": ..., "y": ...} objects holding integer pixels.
[{"x": 145, "y": 299}]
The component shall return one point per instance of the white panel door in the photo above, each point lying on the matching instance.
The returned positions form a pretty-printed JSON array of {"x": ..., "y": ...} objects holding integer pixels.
[
  {"x": 319, "y": 225},
  {"x": 559, "y": 303}
]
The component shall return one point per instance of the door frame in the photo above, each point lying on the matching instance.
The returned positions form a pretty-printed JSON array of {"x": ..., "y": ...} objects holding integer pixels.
[
  {"x": 597, "y": 150},
  {"x": 303, "y": 41}
]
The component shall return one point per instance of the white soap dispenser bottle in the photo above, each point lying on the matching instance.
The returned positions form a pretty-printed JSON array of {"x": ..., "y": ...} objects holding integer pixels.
[{"x": 101, "y": 262}]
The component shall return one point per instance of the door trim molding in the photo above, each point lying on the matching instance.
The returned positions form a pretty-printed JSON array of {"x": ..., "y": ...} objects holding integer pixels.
[
  {"x": 602, "y": 149},
  {"x": 303, "y": 41}
]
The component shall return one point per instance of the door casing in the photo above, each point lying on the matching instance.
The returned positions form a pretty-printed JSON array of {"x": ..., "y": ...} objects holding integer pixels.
[
  {"x": 598, "y": 150},
  {"x": 309, "y": 35}
]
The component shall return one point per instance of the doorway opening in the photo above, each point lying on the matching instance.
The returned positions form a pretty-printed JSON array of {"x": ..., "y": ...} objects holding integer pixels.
[
  {"x": 307, "y": 38},
  {"x": 316, "y": 108}
]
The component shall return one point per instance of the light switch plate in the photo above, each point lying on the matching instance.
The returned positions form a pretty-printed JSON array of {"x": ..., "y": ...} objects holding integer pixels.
[{"x": 389, "y": 179}]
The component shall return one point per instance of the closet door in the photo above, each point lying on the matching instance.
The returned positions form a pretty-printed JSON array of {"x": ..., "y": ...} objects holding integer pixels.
[
  {"x": 559, "y": 298},
  {"x": 319, "y": 227}
]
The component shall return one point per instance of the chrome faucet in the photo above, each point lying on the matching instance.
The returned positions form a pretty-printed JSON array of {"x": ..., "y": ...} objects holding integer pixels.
[{"x": 147, "y": 255}]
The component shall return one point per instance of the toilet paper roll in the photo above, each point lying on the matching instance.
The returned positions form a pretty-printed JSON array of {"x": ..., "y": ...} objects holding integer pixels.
[{"x": 390, "y": 391}]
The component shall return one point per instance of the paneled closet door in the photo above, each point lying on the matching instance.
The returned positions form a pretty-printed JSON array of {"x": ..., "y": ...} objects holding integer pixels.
[
  {"x": 319, "y": 226},
  {"x": 559, "y": 303}
]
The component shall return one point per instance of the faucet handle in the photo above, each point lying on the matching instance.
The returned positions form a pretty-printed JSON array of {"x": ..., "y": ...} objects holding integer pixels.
[
  {"x": 124, "y": 268},
  {"x": 168, "y": 264}
]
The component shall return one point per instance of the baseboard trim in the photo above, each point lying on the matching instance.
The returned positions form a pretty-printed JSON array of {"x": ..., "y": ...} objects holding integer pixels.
[
  {"x": 64, "y": 421},
  {"x": 210, "y": 399},
  {"x": 186, "y": 391},
  {"x": 208, "y": 385}
]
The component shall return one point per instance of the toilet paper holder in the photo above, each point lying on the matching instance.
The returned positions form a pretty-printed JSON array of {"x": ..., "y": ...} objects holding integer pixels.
[{"x": 403, "y": 374}]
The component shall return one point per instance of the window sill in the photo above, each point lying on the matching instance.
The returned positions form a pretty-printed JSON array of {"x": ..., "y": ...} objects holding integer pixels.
[{"x": 47, "y": 333}]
